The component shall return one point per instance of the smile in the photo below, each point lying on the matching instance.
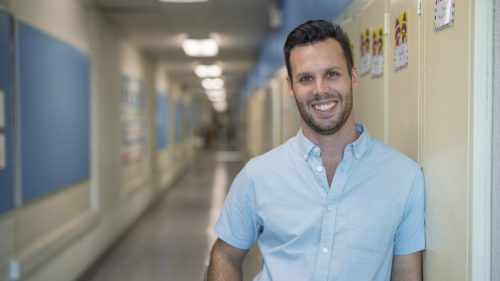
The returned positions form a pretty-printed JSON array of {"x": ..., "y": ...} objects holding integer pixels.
[{"x": 324, "y": 107}]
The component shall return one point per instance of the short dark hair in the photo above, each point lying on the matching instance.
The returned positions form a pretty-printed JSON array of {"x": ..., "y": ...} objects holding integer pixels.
[{"x": 315, "y": 31}]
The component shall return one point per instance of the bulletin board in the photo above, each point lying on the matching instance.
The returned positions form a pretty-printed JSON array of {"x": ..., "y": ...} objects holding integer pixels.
[
  {"x": 132, "y": 119},
  {"x": 54, "y": 104},
  {"x": 161, "y": 121},
  {"x": 6, "y": 113}
]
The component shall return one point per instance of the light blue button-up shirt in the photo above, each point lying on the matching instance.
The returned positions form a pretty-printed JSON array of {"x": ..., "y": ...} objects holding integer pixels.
[{"x": 307, "y": 230}]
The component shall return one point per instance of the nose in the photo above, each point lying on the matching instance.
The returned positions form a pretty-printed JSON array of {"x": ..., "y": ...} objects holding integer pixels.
[{"x": 320, "y": 88}]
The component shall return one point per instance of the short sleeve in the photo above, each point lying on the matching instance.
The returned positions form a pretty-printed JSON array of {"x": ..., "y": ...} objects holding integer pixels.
[
  {"x": 410, "y": 236},
  {"x": 237, "y": 225}
]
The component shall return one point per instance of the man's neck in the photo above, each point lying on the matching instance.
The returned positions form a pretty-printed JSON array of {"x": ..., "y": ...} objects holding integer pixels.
[{"x": 332, "y": 146}]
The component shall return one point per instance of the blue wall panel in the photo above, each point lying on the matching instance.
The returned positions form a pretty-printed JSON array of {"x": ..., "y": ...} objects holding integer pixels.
[
  {"x": 54, "y": 108},
  {"x": 161, "y": 121},
  {"x": 6, "y": 85}
]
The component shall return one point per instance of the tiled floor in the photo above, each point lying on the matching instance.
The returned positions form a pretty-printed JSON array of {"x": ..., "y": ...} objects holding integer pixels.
[{"x": 171, "y": 242}]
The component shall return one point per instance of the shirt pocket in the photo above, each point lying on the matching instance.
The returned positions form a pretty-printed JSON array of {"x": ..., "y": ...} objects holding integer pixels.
[{"x": 371, "y": 227}]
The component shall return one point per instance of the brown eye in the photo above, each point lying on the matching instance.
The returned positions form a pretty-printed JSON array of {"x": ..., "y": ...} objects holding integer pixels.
[
  {"x": 305, "y": 79},
  {"x": 331, "y": 74}
]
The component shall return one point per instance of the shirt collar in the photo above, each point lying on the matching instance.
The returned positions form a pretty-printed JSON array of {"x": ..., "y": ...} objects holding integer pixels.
[{"x": 359, "y": 147}]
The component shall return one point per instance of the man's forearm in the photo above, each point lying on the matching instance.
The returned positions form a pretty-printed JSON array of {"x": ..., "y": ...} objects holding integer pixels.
[{"x": 222, "y": 268}]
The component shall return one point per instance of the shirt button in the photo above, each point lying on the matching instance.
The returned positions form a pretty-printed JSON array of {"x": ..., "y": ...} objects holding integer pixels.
[
  {"x": 325, "y": 251},
  {"x": 320, "y": 169},
  {"x": 330, "y": 208}
]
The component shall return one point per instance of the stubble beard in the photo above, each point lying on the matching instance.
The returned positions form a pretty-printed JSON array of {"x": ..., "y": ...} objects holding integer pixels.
[{"x": 335, "y": 125}]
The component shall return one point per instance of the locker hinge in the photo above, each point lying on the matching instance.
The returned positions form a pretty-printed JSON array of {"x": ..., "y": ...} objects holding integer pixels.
[
  {"x": 419, "y": 7},
  {"x": 387, "y": 19}
]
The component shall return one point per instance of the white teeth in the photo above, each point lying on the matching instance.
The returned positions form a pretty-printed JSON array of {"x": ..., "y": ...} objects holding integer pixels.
[{"x": 324, "y": 107}]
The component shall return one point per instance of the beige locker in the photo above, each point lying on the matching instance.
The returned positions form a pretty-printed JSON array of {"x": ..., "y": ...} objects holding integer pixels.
[
  {"x": 404, "y": 84},
  {"x": 370, "y": 99},
  {"x": 446, "y": 147}
]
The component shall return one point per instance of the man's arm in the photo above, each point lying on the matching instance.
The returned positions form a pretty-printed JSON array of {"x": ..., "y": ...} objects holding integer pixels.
[
  {"x": 225, "y": 262},
  {"x": 407, "y": 267}
]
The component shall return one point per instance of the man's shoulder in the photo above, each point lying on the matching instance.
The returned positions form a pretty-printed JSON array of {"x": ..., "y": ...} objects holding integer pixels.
[{"x": 273, "y": 158}]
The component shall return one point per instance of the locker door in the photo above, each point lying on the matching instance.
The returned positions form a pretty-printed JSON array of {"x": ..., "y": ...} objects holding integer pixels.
[{"x": 404, "y": 82}]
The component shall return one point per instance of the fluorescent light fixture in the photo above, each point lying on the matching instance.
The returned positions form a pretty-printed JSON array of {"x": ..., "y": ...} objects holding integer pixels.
[
  {"x": 220, "y": 106},
  {"x": 183, "y": 1},
  {"x": 216, "y": 95},
  {"x": 204, "y": 71},
  {"x": 200, "y": 47},
  {"x": 212, "y": 83}
]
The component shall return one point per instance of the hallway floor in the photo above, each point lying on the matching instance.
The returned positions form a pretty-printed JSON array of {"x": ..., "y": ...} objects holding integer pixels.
[{"x": 172, "y": 240}]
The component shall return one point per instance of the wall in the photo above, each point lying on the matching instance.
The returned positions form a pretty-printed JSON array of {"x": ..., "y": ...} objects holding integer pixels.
[{"x": 58, "y": 236}]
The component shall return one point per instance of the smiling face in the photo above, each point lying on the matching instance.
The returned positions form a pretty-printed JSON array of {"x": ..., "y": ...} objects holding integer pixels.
[{"x": 322, "y": 86}]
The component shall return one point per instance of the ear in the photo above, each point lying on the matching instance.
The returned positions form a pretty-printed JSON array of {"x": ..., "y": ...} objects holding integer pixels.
[
  {"x": 354, "y": 78},
  {"x": 290, "y": 87}
]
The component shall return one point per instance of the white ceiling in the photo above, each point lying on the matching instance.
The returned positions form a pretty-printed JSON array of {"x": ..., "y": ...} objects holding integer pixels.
[{"x": 238, "y": 26}]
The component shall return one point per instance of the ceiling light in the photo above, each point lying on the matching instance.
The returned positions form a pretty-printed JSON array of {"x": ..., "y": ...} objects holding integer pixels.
[
  {"x": 217, "y": 96},
  {"x": 216, "y": 93},
  {"x": 220, "y": 106},
  {"x": 200, "y": 47},
  {"x": 183, "y": 1},
  {"x": 212, "y": 83},
  {"x": 203, "y": 71}
]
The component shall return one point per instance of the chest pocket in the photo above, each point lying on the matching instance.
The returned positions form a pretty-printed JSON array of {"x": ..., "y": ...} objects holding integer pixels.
[{"x": 372, "y": 226}]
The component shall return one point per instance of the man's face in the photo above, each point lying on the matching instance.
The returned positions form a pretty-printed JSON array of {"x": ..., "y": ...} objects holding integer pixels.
[{"x": 322, "y": 86}]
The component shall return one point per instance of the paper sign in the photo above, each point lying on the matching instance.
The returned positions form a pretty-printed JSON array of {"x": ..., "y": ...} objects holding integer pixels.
[
  {"x": 365, "y": 55},
  {"x": 2, "y": 110},
  {"x": 401, "y": 41},
  {"x": 377, "y": 68},
  {"x": 444, "y": 14},
  {"x": 3, "y": 152}
]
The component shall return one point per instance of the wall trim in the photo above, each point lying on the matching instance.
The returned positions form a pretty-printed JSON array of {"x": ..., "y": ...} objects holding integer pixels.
[
  {"x": 25, "y": 262},
  {"x": 482, "y": 97}
]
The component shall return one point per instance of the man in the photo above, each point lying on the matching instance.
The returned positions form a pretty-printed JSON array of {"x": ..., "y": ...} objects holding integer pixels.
[{"x": 331, "y": 203}]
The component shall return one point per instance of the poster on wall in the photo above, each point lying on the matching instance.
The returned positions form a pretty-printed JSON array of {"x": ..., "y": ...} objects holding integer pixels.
[
  {"x": 2, "y": 110},
  {"x": 444, "y": 14},
  {"x": 3, "y": 152},
  {"x": 401, "y": 41},
  {"x": 132, "y": 120},
  {"x": 365, "y": 55},
  {"x": 377, "y": 67}
]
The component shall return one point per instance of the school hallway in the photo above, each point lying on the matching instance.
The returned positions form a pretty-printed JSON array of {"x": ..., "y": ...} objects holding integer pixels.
[{"x": 172, "y": 239}]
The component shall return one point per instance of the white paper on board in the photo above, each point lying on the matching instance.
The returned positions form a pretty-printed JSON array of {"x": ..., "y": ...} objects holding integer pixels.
[
  {"x": 2, "y": 110},
  {"x": 3, "y": 152}
]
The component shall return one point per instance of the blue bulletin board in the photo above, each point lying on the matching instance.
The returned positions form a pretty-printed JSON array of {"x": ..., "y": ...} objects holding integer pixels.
[
  {"x": 54, "y": 104},
  {"x": 6, "y": 128},
  {"x": 161, "y": 121}
]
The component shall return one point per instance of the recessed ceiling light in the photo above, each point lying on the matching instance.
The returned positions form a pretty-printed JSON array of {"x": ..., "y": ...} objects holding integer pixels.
[
  {"x": 220, "y": 106},
  {"x": 204, "y": 71},
  {"x": 200, "y": 47},
  {"x": 212, "y": 83}
]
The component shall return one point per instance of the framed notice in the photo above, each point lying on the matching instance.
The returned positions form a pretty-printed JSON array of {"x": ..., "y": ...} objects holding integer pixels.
[
  {"x": 2, "y": 110},
  {"x": 3, "y": 152},
  {"x": 444, "y": 14},
  {"x": 132, "y": 119}
]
